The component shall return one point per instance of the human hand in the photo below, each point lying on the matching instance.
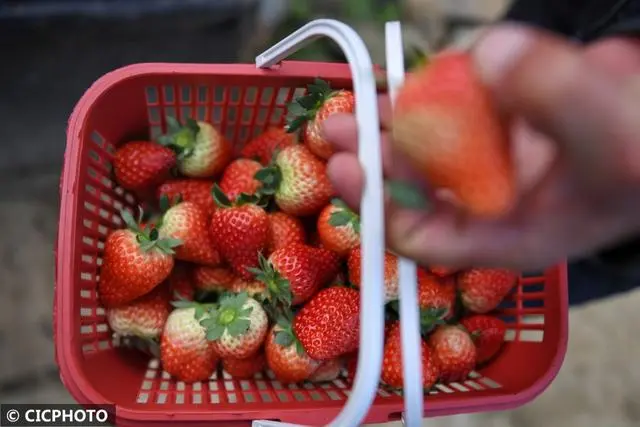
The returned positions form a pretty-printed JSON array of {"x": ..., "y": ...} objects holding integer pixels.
[{"x": 577, "y": 156}]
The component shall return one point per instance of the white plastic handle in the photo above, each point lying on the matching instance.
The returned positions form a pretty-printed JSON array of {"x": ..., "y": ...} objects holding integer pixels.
[
  {"x": 407, "y": 272},
  {"x": 371, "y": 207}
]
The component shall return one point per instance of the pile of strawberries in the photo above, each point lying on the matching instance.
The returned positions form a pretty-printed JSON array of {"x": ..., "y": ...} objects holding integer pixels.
[{"x": 248, "y": 261}]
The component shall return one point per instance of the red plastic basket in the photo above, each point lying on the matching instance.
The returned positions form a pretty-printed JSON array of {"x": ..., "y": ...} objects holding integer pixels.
[{"x": 241, "y": 100}]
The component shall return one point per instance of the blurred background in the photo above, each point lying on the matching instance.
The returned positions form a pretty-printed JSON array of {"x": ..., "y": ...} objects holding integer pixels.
[{"x": 53, "y": 50}]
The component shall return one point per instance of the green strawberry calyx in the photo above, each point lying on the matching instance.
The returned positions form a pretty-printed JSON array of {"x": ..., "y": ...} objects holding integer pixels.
[
  {"x": 277, "y": 295},
  {"x": 148, "y": 236},
  {"x": 284, "y": 335},
  {"x": 181, "y": 138},
  {"x": 344, "y": 216},
  {"x": 432, "y": 317},
  {"x": 407, "y": 195},
  {"x": 304, "y": 108},
  {"x": 223, "y": 201},
  {"x": 232, "y": 315}
]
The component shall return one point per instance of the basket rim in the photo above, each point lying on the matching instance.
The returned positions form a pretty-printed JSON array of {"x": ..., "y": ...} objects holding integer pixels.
[{"x": 67, "y": 356}]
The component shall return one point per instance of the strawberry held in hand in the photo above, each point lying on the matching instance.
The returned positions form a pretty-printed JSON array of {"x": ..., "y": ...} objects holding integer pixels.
[
  {"x": 144, "y": 317},
  {"x": 483, "y": 289},
  {"x": 454, "y": 352},
  {"x": 203, "y": 152},
  {"x": 298, "y": 181},
  {"x": 197, "y": 191},
  {"x": 188, "y": 222},
  {"x": 328, "y": 325},
  {"x": 142, "y": 165},
  {"x": 286, "y": 356},
  {"x": 185, "y": 352},
  {"x": 135, "y": 261},
  {"x": 446, "y": 124},
  {"x": 238, "y": 178},
  {"x": 339, "y": 228},
  {"x": 487, "y": 333},
  {"x": 311, "y": 110},
  {"x": 264, "y": 146},
  {"x": 241, "y": 231},
  {"x": 237, "y": 326}
]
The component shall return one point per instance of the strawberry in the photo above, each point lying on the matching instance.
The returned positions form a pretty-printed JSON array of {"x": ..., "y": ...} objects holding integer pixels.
[
  {"x": 284, "y": 230},
  {"x": 391, "y": 283},
  {"x": 447, "y": 125},
  {"x": 312, "y": 109},
  {"x": 328, "y": 325},
  {"x": 351, "y": 365},
  {"x": 483, "y": 289},
  {"x": 392, "y": 374},
  {"x": 197, "y": 191},
  {"x": 181, "y": 281},
  {"x": 135, "y": 261},
  {"x": 285, "y": 355},
  {"x": 329, "y": 370},
  {"x": 436, "y": 298},
  {"x": 142, "y": 165},
  {"x": 185, "y": 352},
  {"x": 454, "y": 352},
  {"x": 294, "y": 273},
  {"x": 264, "y": 146},
  {"x": 238, "y": 178},
  {"x": 143, "y": 317},
  {"x": 188, "y": 222},
  {"x": 245, "y": 368},
  {"x": 298, "y": 181},
  {"x": 441, "y": 271},
  {"x": 241, "y": 231},
  {"x": 339, "y": 228},
  {"x": 487, "y": 333},
  {"x": 213, "y": 279},
  {"x": 237, "y": 326},
  {"x": 203, "y": 152}
]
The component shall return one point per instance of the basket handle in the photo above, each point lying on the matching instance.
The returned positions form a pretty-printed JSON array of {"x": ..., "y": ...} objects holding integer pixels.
[{"x": 372, "y": 205}]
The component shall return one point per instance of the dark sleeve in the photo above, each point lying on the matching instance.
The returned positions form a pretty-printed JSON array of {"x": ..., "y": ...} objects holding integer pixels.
[{"x": 547, "y": 14}]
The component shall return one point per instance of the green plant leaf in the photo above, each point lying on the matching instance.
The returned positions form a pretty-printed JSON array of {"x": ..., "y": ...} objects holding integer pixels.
[
  {"x": 339, "y": 203},
  {"x": 238, "y": 327},
  {"x": 296, "y": 124},
  {"x": 219, "y": 197},
  {"x": 215, "y": 333},
  {"x": 173, "y": 125},
  {"x": 340, "y": 218},
  {"x": 406, "y": 195},
  {"x": 283, "y": 338},
  {"x": 128, "y": 219}
]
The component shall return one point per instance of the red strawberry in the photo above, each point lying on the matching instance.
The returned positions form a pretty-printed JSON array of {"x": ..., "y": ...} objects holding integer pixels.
[
  {"x": 298, "y": 180},
  {"x": 181, "y": 282},
  {"x": 241, "y": 232},
  {"x": 328, "y": 325},
  {"x": 392, "y": 374},
  {"x": 203, "y": 150},
  {"x": 144, "y": 317},
  {"x": 329, "y": 370},
  {"x": 237, "y": 327},
  {"x": 245, "y": 368},
  {"x": 487, "y": 333},
  {"x": 197, "y": 191},
  {"x": 443, "y": 271},
  {"x": 188, "y": 222},
  {"x": 294, "y": 273},
  {"x": 134, "y": 262},
  {"x": 339, "y": 228},
  {"x": 313, "y": 109},
  {"x": 263, "y": 147},
  {"x": 448, "y": 126},
  {"x": 238, "y": 178},
  {"x": 254, "y": 288},
  {"x": 284, "y": 230},
  {"x": 141, "y": 165},
  {"x": 391, "y": 283},
  {"x": 213, "y": 279},
  {"x": 286, "y": 356},
  {"x": 454, "y": 352},
  {"x": 436, "y": 298},
  {"x": 483, "y": 289},
  {"x": 184, "y": 350}
]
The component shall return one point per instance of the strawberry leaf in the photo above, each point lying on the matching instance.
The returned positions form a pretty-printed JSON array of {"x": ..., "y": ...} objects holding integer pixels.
[
  {"x": 173, "y": 125},
  {"x": 299, "y": 348},
  {"x": 129, "y": 221},
  {"x": 193, "y": 125},
  {"x": 295, "y": 124},
  {"x": 406, "y": 195},
  {"x": 219, "y": 197},
  {"x": 215, "y": 333},
  {"x": 340, "y": 218},
  {"x": 283, "y": 338},
  {"x": 163, "y": 203},
  {"x": 238, "y": 327},
  {"x": 339, "y": 203}
]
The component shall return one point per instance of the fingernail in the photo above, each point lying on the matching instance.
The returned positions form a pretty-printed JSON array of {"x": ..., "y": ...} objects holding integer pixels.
[{"x": 499, "y": 49}]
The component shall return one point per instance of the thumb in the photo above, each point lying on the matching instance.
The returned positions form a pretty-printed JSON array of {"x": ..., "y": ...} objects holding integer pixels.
[{"x": 591, "y": 114}]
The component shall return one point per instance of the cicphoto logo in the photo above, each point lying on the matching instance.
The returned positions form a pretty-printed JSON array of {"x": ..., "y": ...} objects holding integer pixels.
[
  {"x": 56, "y": 415},
  {"x": 66, "y": 415}
]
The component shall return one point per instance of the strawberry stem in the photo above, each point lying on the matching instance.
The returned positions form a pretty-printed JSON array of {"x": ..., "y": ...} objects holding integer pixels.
[
  {"x": 277, "y": 295},
  {"x": 181, "y": 138}
]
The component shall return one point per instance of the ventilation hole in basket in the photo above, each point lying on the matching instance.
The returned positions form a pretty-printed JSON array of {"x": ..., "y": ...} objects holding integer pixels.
[
  {"x": 88, "y": 241},
  {"x": 271, "y": 375},
  {"x": 106, "y": 199},
  {"x": 216, "y": 115},
  {"x": 383, "y": 393},
  {"x": 196, "y": 386},
  {"x": 86, "y": 276},
  {"x": 489, "y": 383},
  {"x": 169, "y": 94},
  {"x": 103, "y": 345},
  {"x": 219, "y": 94},
  {"x": 102, "y": 229},
  {"x": 201, "y": 113},
  {"x": 230, "y": 134},
  {"x": 474, "y": 375},
  {"x": 508, "y": 319},
  {"x": 315, "y": 396},
  {"x": 340, "y": 383},
  {"x": 259, "y": 375},
  {"x": 276, "y": 116},
  {"x": 164, "y": 386},
  {"x": 97, "y": 138},
  {"x": 146, "y": 385},
  {"x": 129, "y": 198},
  {"x": 283, "y": 96},
  {"x": 507, "y": 304},
  {"x": 170, "y": 111},
  {"x": 152, "y": 94},
  {"x": 444, "y": 388},
  {"x": 154, "y": 116},
  {"x": 245, "y": 385},
  {"x": 86, "y": 329},
  {"x": 299, "y": 91},
  {"x": 250, "y": 95},
  {"x": 165, "y": 375},
  {"x": 532, "y": 303},
  {"x": 266, "y": 97},
  {"x": 100, "y": 311},
  {"x": 161, "y": 398},
  {"x": 326, "y": 385},
  {"x": 94, "y": 156},
  {"x": 458, "y": 386},
  {"x": 276, "y": 385},
  {"x": 86, "y": 294},
  {"x": 292, "y": 386},
  {"x": 474, "y": 385},
  {"x": 249, "y": 397},
  {"x": 87, "y": 259},
  {"x": 142, "y": 398},
  {"x": 532, "y": 319},
  {"x": 196, "y": 399},
  {"x": 180, "y": 386},
  {"x": 531, "y": 336},
  {"x": 308, "y": 386},
  {"x": 261, "y": 119},
  {"x": 203, "y": 94},
  {"x": 150, "y": 374},
  {"x": 532, "y": 274},
  {"x": 153, "y": 364},
  {"x": 86, "y": 312},
  {"x": 228, "y": 385},
  {"x": 180, "y": 398},
  {"x": 261, "y": 385},
  {"x": 186, "y": 112},
  {"x": 510, "y": 335},
  {"x": 88, "y": 348},
  {"x": 185, "y": 94},
  {"x": 226, "y": 375},
  {"x": 90, "y": 207},
  {"x": 282, "y": 397},
  {"x": 214, "y": 398},
  {"x": 247, "y": 115},
  {"x": 231, "y": 115},
  {"x": 154, "y": 132},
  {"x": 266, "y": 397},
  {"x": 232, "y": 398},
  {"x": 93, "y": 173},
  {"x": 213, "y": 386},
  {"x": 234, "y": 95},
  {"x": 334, "y": 395},
  {"x": 299, "y": 396}
]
